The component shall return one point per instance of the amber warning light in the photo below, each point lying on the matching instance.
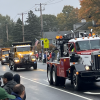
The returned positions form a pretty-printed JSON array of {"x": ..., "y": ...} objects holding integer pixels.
[{"x": 59, "y": 37}]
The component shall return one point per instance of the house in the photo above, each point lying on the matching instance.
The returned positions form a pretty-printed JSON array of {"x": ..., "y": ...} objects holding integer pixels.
[{"x": 52, "y": 35}]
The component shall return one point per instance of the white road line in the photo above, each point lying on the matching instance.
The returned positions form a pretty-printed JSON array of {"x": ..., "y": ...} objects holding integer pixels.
[
  {"x": 46, "y": 80},
  {"x": 91, "y": 93},
  {"x": 58, "y": 89}
]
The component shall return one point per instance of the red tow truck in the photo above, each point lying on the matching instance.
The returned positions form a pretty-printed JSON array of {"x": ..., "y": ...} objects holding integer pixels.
[{"x": 80, "y": 66}]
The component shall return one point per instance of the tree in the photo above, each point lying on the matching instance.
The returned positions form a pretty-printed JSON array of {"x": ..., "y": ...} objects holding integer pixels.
[
  {"x": 32, "y": 27},
  {"x": 49, "y": 23},
  {"x": 67, "y": 18},
  {"x": 17, "y": 31},
  {"x": 90, "y": 10}
]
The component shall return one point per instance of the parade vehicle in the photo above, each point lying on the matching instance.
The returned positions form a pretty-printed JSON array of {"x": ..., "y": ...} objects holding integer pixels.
[
  {"x": 5, "y": 55},
  {"x": 79, "y": 61},
  {"x": 22, "y": 56}
]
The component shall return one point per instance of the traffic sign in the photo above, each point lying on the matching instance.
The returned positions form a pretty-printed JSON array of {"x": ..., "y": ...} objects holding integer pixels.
[
  {"x": 46, "y": 45},
  {"x": 46, "y": 41},
  {"x": 42, "y": 39}
]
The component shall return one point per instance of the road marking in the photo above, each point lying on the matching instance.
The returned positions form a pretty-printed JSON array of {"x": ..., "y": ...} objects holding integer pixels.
[
  {"x": 46, "y": 80},
  {"x": 41, "y": 70},
  {"x": 91, "y": 93},
  {"x": 57, "y": 89}
]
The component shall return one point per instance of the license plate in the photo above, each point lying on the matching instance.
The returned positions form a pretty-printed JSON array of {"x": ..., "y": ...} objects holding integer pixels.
[{"x": 34, "y": 62}]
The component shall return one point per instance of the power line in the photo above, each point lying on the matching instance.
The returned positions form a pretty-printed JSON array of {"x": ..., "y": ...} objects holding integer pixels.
[{"x": 55, "y": 2}]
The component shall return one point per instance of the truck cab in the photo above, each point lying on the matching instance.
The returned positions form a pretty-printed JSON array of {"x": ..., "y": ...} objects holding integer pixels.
[
  {"x": 5, "y": 55},
  {"x": 22, "y": 56}
]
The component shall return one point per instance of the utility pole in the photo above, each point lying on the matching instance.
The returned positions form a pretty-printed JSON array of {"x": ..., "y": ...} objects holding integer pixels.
[
  {"x": 7, "y": 31},
  {"x": 23, "y": 25},
  {"x": 41, "y": 22},
  {"x": 41, "y": 17}
]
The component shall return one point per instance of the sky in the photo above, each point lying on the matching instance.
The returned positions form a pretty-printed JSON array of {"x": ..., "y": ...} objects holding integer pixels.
[{"x": 14, "y": 8}]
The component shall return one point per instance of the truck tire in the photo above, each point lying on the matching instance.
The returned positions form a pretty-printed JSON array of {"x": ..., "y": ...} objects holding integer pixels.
[
  {"x": 14, "y": 68},
  {"x": 49, "y": 75},
  {"x": 55, "y": 77},
  {"x": 76, "y": 81},
  {"x": 35, "y": 66},
  {"x": 2, "y": 63}
]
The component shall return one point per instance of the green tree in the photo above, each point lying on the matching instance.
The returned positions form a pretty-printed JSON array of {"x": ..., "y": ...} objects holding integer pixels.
[
  {"x": 17, "y": 31},
  {"x": 49, "y": 23},
  {"x": 32, "y": 27}
]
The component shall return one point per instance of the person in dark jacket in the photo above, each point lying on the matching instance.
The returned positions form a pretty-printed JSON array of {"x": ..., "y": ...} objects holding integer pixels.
[
  {"x": 17, "y": 78},
  {"x": 18, "y": 92},
  {"x": 53, "y": 56},
  {"x": 8, "y": 81}
]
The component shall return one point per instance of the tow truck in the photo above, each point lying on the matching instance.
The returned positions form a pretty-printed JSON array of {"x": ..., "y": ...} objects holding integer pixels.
[
  {"x": 80, "y": 66},
  {"x": 5, "y": 55},
  {"x": 22, "y": 56}
]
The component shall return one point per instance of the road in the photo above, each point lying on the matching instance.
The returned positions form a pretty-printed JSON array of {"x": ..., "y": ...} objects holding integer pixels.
[{"x": 38, "y": 88}]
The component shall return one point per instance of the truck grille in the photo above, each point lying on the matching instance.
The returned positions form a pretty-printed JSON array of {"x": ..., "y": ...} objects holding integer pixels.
[
  {"x": 26, "y": 56},
  {"x": 96, "y": 62}
]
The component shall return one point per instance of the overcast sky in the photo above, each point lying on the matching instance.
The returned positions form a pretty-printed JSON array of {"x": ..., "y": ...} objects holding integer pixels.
[{"x": 15, "y": 7}]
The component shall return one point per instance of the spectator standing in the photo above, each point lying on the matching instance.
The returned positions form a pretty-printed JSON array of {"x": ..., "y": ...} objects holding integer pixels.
[
  {"x": 53, "y": 56},
  {"x": 45, "y": 57},
  {"x": 18, "y": 92},
  {"x": 50, "y": 56},
  {"x": 8, "y": 81},
  {"x": 37, "y": 56},
  {"x": 40, "y": 56}
]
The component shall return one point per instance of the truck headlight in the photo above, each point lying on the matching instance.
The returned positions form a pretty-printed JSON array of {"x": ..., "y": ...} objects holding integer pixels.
[
  {"x": 31, "y": 53},
  {"x": 33, "y": 59},
  {"x": 87, "y": 67},
  {"x": 16, "y": 61},
  {"x": 3, "y": 59}
]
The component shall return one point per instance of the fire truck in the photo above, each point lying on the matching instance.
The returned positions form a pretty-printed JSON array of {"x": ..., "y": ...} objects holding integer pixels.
[
  {"x": 79, "y": 60},
  {"x": 4, "y": 55},
  {"x": 22, "y": 56}
]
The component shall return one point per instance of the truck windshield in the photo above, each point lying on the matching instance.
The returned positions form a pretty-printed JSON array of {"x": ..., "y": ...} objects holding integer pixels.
[
  {"x": 5, "y": 52},
  {"x": 21, "y": 49},
  {"x": 87, "y": 45}
]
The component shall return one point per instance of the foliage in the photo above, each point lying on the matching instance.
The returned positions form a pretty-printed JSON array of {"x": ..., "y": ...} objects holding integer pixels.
[
  {"x": 32, "y": 28},
  {"x": 90, "y": 10},
  {"x": 49, "y": 23},
  {"x": 67, "y": 18},
  {"x": 17, "y": 31}
]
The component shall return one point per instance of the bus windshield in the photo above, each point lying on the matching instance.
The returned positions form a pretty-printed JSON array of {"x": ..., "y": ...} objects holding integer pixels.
[{"x": 87, "y": 45}]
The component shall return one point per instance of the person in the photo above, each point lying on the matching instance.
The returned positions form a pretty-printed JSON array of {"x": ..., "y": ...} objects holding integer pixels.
[
  {"x": 4, "y": 95},
  {"x": 53, "y": 56},
  {"x": 50, "y": 56},
  {"x": 40, "y": 56},
  {"x": 72, "y": 48},
  {"x": 17, "y": 78},
  {"x": 45, "y": 57},
  {"x": 8, "y": 81},
  {"x": 37, "y": 56},
  {"x": 18, "y": 92}
]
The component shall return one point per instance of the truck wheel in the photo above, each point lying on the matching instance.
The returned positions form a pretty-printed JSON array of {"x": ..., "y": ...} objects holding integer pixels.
[
  {"x": 55, "y": 77},
  {"x": 76, "y": 81},
  {"x": 2, "y": 63},
  {"x": 49, "y": 75},
  {"x": 35, "y": 66},
  {"x": 14, "y": 67}
]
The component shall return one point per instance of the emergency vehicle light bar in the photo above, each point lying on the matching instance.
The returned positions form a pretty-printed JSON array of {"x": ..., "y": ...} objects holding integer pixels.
[{"x": 59, "y": 37}]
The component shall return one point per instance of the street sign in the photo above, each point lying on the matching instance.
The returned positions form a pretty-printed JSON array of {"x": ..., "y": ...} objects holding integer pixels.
[
  {"x": 42, "y": 39},
  {"x": 46, "y": 41},
  {"x": 46, "y": 45}
]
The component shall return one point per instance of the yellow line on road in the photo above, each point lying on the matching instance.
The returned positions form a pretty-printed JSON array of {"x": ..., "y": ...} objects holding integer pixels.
[{"x": 41, "y": 70}]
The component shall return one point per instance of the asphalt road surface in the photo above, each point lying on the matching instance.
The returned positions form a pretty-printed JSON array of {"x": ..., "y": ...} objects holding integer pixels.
[{"x": 38, "y": 88}]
